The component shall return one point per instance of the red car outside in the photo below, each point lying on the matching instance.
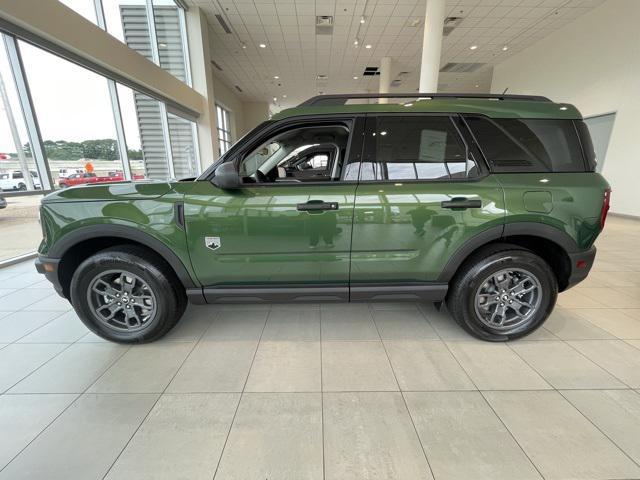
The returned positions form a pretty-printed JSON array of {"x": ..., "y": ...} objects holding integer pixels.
[{"x": 84, "y": 178}]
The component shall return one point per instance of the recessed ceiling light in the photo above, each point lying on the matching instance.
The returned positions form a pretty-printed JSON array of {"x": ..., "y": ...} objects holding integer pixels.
[
  {"x": 276, "y": 77},
  {"x": 355, "y": 77},
  {"x": 505, "y": 48},
  {"x": 275, "y": 99},
  {"x": 362, "y": 20},
  {"x": 367, "y": 46},
  {"x": 244, "y": 46},
  {"x": 284, "y": 96},
  {"x": 473, "y": 47},
  {"x": 262, "y": 45},
  {"x": 383, "y": 133},
  {"x": 162, "y": 45},
  {"x": 477, "y": 86},
  {"x": 356, "y": 42}
]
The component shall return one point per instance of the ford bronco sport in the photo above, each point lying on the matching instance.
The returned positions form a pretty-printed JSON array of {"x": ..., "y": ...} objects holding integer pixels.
[{"x": 490, "y": 204}]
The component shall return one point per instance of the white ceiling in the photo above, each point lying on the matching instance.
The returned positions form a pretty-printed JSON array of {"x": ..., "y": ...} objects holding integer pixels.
[{"x": 297, "y": 55}]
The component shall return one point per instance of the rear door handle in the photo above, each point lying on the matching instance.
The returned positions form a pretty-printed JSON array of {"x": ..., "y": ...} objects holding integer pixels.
[
  {"x": 461, "y": 203},
  {"x": 317, "y": 206}
]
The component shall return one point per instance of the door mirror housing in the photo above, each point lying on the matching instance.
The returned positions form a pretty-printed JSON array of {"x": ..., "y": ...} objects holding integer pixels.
[{"x": 226, "y": 177}]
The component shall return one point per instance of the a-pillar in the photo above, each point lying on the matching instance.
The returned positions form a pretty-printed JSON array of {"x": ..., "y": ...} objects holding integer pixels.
[{"x": 431, "y": 46}]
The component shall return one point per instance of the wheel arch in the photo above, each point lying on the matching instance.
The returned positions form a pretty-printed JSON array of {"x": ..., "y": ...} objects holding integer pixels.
[
  {"x": 73, "y": 248},
  {"x": 546, "y": 241}
]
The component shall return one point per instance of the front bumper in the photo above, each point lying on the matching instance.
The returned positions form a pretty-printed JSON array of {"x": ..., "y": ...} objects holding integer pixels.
[
  {"x": 49, "y": 268},
  {"x": 581, "y": 263}
]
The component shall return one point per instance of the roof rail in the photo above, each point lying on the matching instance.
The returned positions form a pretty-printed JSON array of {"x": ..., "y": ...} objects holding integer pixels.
[{"x": 341, "y": 99}]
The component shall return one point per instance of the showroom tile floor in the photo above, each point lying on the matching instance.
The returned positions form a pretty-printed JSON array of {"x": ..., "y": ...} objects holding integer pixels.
[{"x": 384, "y": 391}]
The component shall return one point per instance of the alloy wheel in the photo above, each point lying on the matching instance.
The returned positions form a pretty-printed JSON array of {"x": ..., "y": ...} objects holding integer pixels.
[
  {"x": 121, "y": 300},
  {"x": 508, "y": 298}
]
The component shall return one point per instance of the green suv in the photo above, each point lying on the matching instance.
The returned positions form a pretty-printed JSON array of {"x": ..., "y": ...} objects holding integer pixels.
[{"x": 490, "y": 204}]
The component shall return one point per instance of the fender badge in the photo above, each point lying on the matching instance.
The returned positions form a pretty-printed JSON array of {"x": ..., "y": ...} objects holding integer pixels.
[{"x": 212, "y": 243}]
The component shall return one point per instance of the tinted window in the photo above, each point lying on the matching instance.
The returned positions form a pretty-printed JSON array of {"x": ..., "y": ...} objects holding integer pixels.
[
  {"x": 414, "y": 148},
  {"x": 523, "y": 145}
]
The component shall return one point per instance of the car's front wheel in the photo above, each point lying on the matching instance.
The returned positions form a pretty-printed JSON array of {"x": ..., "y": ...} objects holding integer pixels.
[
  {"x": 127, "y": 294},
  {"x": 502, "y": 293}
]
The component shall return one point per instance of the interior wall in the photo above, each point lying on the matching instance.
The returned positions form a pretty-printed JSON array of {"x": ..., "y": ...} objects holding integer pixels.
[
  {"x": 244, "y": 115},
  {"x": 593, "y": 63},
  {"x": 254, "y": 114},
  {"x": 229, "y": 100}
]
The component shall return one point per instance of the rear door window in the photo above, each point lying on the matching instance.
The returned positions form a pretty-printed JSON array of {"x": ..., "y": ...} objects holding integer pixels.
[
  {"x": 414, "y": 148},
  {"x": 528, "y": 145}
]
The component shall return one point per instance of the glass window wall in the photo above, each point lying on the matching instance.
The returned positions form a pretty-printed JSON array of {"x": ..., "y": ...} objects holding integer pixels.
[
  {"x": 62, "y": 121},
  {"x": 76, "y": 119},
  {"x": 18, "y": 171}
]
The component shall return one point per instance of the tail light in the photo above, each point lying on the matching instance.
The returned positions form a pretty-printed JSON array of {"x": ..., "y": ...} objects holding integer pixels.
[{"x": 606, "y": 201}]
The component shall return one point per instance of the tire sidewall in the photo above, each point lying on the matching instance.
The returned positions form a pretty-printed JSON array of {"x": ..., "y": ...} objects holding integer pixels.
[
  {"x": 501, "y": 261},
  {"x": 154, "y": 278}
]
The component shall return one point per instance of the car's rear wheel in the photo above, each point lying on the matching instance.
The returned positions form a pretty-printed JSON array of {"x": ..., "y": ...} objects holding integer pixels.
[
  {"x": 503, "y": 292},
  {"x": 22, "y": 186},
  {"x": 127, "y": 294}
]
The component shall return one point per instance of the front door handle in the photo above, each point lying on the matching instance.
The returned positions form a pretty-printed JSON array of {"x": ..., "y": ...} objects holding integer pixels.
[
  {"x": 316, "y": 206},
  {"x": 461, "y": 203}
]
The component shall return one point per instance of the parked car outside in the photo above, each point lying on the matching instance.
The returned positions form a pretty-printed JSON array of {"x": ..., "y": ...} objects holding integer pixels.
[
  {"x": 3, "y": 202},
  {"x": 489, "y": 205},
  {"x": 14, "y": 180},
  {"x": 66, "y": 172},
  {"x": 84, "y": 178}
]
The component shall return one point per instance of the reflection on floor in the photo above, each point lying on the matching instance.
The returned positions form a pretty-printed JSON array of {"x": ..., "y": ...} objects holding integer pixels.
[{"x": 383, "y": 391}]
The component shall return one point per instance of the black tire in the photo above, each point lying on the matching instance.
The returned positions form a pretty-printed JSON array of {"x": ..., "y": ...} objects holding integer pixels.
[
  {"x": 170, "y": 296},
  {"x": 22, "y": 187},
  {"x": 474, "y": 273}
]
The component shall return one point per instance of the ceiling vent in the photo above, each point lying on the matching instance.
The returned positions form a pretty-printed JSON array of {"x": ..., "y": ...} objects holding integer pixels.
[
  {"x": 370, "y": 71},
  {"x": 324, "y": 25},
  {"x": 398, "y": 80},
  {"x": 450, "y": 24},
  {"x": 215, "y": 64},
  {"x": 223, "y": 24},
  {"x": 453, "y": 67},
  {"x": 322, "y": 77},
  {"x": 238, "y": 88}
]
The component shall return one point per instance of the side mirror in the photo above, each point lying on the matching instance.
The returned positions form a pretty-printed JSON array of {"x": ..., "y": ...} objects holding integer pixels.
[{"x": 226, "y": 177}]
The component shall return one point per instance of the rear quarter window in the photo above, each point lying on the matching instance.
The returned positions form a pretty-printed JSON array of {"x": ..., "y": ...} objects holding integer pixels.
[{"x": 528, "y": 145}]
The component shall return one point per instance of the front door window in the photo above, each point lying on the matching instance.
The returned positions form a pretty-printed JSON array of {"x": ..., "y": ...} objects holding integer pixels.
[{"x": 304, "y": 154}]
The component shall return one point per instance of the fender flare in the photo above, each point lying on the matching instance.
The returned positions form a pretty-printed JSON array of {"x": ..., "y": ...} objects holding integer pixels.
[
  {"x": 62, "y": 246},
  {"x": 500, "y": 232}
]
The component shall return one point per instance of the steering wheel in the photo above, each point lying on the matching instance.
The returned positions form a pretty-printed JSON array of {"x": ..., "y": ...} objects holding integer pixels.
[{"x": 261, "y": 177}]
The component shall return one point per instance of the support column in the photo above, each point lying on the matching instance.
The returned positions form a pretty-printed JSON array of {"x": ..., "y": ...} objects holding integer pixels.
[
  {"x": 431, "y": 46},
  {"x": 202, "y": 79},
  {"x": 386, "y": 66}
]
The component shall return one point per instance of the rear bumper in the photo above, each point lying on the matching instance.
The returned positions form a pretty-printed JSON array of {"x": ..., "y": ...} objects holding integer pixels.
[
  {"x": 49, "y": 268},
  {"x": 581, "y": 263}
]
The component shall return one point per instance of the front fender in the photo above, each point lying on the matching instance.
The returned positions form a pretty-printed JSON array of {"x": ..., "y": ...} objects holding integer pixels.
[{"x": 147, "y": 222}]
